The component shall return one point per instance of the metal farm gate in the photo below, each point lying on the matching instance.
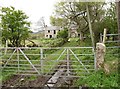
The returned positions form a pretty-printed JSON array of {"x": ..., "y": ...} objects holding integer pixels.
[
  {"x": 46, "y": 61},
  {"x": 69, "y": 61}
]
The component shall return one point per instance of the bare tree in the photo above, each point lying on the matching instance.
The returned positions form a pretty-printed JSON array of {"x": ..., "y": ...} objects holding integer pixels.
[{"x": 41, "y": 22}]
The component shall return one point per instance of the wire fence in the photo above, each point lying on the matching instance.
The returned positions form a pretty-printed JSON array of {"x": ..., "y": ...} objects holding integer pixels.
[
  {"x": 112, "y": 47},
  {"x": 111, "y": 39}
]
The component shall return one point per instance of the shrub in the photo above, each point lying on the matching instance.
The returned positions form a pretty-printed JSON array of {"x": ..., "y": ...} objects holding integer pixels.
[{"x": 62, "y": 34}]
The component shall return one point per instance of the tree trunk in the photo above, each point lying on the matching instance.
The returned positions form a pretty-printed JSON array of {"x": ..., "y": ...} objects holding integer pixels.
[
  {"x": 24, "y": 42},
  {"x": 118, "y": 18},
  {"x": 81, "y": 36},
  {"x": 90, "y": 26},
  {"x": 6, "y": 46},
  {"x": 118, "y": 15}
]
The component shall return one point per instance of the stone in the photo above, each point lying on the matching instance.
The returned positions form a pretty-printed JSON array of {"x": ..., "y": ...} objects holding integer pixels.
[{"x": 100, "y": 52}]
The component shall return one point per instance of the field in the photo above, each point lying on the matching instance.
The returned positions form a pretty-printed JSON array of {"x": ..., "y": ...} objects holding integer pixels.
[{"x": 94, "y": 79}]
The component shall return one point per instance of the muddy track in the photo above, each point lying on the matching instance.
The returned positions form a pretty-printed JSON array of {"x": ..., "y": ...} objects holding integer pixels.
[
  {"x": 24, "y": 81},
  {"x": 56, "y": 80},
  {"x": 39, "y": 81},
  {"x": 12, "y": 81}
]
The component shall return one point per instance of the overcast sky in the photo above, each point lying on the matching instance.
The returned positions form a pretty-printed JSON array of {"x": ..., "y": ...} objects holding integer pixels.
[{"x": 33, "y": 8}]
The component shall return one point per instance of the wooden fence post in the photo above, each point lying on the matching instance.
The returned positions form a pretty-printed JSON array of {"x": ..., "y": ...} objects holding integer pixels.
[{"x": 104, "y": 35}]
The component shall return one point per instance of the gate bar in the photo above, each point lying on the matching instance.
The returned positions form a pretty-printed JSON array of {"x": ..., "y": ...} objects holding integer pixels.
[
  {"x": 9, "y": 58},
  {"x": 79, "y": 60},
  {"x": 18, "y": 59},
  {"x": 29, "y": 61}
]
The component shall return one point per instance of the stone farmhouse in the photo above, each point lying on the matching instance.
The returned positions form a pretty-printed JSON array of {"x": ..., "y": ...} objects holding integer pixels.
[
  {"x": 73, "y": 33},
  {"x": 51, "y": 31},
  {"x": 73, "y": 30}
]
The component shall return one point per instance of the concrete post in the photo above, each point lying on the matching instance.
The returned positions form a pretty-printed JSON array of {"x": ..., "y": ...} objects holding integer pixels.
[{"x": 100, "y": 52}]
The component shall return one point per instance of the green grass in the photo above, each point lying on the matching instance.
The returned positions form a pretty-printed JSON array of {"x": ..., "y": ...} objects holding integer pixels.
[
  {"x": 99, "y": 79},
  {"x": 75, "y": 42},
  {"x": 91, "y": 80},
  {"x": 76, "y": 51},
  {"x": 32, "y": 78},
  {"x": 5, "y": 76},
  {"x": 43, "y": 42}
]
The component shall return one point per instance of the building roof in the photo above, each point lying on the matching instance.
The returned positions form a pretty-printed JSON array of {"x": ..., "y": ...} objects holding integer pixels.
[{"x": 52, "y": 28}]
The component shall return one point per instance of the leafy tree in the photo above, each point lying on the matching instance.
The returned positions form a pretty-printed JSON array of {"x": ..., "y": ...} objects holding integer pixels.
[
  {"x": 58, "y": 21},
  {"x": 15, "y": 26},
  {"x": 75, "y": 13},
  {"x": 62, "y": 34},
  {"x": 109, "y": 21}
]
